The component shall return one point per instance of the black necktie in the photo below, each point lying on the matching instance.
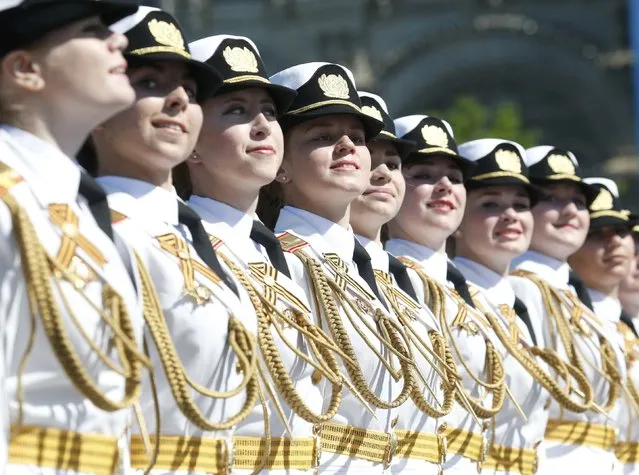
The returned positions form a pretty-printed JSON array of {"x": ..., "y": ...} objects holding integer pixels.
[
  {"x": 459, "y": 282},
  {"x": 202, "y": 244},
  {"x": 522, "y": 312},
  {"x": 365, "y": 269},
  {"x": 580, "y": 289},
  {"x": 398, "y": 270},
  {"x": 97, "y": 201},
  {"x": 264, "y": 236},
  {"x": 628, "y": 321}
]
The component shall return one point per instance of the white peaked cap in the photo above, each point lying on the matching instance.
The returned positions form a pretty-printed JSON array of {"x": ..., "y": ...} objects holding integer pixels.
[
  {"x": 536, "y": 154},
  {"x": 6, "y": 4},
  {"x": 375, "y": 97},
  {"x": 296, "y": 76},
  {"x": 404, "y": 125},
  {"x": 204, "y": 48},
  {"x": 129, "y": 22},
  {"x": 478, "y": 149},
  {"x": 607, "y": 182}
]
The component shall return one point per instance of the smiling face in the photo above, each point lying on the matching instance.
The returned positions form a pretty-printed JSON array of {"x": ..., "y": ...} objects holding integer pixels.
[
  {"x": 561, "y": 221},
  {"x": 433, "y": 205},
  {"x": 241, "y": 145},
  {"x": 326, "y": 163},
  {"x": 383, "y": 197},
  {"x": 161, "y": 128},
  {"x": 605, "y": 258},
  {"x": 497, "y": 226}
]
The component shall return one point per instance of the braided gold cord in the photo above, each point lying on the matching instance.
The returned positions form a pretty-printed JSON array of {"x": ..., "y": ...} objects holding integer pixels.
[
  {"x": 324, "y": 289},
  {"x": 239, "y": 339},
  {"x": 38, "y": 270},
  {"x": 554, "y": 306},
  {"x": 435, "y": 298},
  {"x": 273, "y": 359}
]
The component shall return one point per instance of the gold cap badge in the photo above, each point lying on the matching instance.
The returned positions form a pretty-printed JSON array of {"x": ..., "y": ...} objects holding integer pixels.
[
  {"x": 240, "y": 60},
  {"x": 166, "y": 33},
  {"x": 603, "y": 201},
  {"x": 373, "y": 112},
  {"x": 561, "y": 164},
  {"x": 434, "y": 135},
  {"x": 508, "y": 161},
  {"x": 334, "y": 85}
]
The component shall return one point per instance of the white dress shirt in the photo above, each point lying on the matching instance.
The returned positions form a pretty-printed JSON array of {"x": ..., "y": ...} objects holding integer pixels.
[
  {"x": 471, "y": 344},
  {"x": 199, "y": 330},
  {"x": 510, "y": 429},
  {"x": 561, "y": 457},
  {"x": 50, "y": 400},
  {"x": 233, "y": 228},
  {"x": 324, "y": 236}
]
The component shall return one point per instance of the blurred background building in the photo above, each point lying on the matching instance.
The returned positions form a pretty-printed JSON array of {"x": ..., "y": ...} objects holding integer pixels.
[{"x": 536, "y": 71}]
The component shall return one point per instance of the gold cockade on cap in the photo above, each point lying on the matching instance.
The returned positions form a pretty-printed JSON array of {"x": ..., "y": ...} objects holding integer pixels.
[
  {"x": 561, "y": 164},
  {"x": 373, "y": 112},
  {"x": 334, "y": 85},
  {"x": 166, "y": 33},
  {"x": 240, "y": 59},
  {"x": 434, "y": 135},
  {"x": 508, "y": 161},
  {"x": 603, "y": 201}
]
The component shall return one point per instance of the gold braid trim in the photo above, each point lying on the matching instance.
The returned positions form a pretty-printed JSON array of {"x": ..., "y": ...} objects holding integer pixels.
[
  {"x": 317, "y": 341},
  {"x": 239, "y": 339},
  {"x": 554, "y": 306},
  {"x": 39, "y": 270},
  {"x": 326, "y": 291},
  {"x": 526, "y": 357},
  {"x": 435, "y": 298},
  {"x": 441, "y": 351}
]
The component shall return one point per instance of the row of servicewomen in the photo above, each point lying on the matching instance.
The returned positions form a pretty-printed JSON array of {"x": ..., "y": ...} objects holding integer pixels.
[{"x": 250, "y": 274}]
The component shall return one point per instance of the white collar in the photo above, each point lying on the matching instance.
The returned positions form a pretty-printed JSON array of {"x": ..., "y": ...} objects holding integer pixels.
[
  {"x": 53, "y": 177},
  {"x": 553, "y": 270},
  {"x": 151, "y": 201},
  {"x": 493, "y": 286},
  {"x": 605, "y": 307},
  {"x": 322, "y": 234},
  {"x": 218, "y": 212},
  {"x": 379, "y": 257},
  {"x": 435, "y": 263}
]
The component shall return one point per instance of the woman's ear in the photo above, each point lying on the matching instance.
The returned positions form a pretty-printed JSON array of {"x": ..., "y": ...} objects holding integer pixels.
[{"x": 21, "y": 68}]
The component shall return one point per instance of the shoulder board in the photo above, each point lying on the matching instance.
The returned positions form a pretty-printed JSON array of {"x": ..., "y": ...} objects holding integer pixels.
[
  {"x": 522, "y": 273},
  {"x": 474, "y": 291},
  {"x": 8, "y": 179},
  {"x": 408, "y": 262},
  {"x": 116, "y": 216},
  {"x": 291, "y": 243},
  {"x": 215, "y": 242}
]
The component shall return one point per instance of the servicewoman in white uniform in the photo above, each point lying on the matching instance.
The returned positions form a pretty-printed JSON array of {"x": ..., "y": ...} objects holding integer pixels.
[
  {"x": 239, "y": 151},
  {"x": 71, "y": 323},
  {"x": 431, "y": 211},
  {"x": 496, "y": 228},
  {"x": 629, "y": 288},
  {"x": 326, "y": 166},
  {"x": 602, "y": 263},
  {"x": 423, "y": 449},
  {"x": 200, "y": 337},
  {"x": 565, "y": 324}
]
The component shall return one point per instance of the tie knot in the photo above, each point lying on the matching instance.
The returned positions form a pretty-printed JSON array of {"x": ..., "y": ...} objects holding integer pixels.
[
  {"x": 187, "y": 216},
  {"x": 261, "y": 233},
  {"x": 90, "y": 190},
  {"x": 359, "y": 253}
]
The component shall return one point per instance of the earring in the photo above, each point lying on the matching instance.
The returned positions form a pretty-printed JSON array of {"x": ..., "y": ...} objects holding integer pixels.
[{"x": 194, "y": 154}]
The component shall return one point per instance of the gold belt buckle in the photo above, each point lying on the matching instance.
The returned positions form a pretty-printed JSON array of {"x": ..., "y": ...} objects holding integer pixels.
[
  {"x": 535, "y": 464},
  {"x": 229, "y": 456},
  {"x": 317, "y": 445},
  {"x": 391, "y": 449}
]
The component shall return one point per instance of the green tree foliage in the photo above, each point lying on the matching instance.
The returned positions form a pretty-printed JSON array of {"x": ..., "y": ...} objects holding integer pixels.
[{"x": 471, "y": 120}]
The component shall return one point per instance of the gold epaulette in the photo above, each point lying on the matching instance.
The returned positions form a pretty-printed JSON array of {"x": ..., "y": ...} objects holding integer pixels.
[
  {"x": 117, "y": 217},
  {"x": 8, "y": 179},
  {"x": 215, "y": 242},
  {"x": 291, "y": 243}
]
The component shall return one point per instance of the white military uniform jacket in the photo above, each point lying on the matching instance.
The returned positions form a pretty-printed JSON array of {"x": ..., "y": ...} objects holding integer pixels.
[
  {"x": 564, "y": 457},
  {"x": 233, "y": 228},
  {"x": 49, "y": 196},
  {"x": 409, "y": 417},
  {"x": 469, "y": 338},
  {"x": 197, "y": 327},
  {"x": 510, "y": 429},
  {"x": 324, "y": 236},
  {"x": 626, "y": 413}
]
